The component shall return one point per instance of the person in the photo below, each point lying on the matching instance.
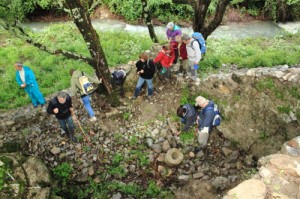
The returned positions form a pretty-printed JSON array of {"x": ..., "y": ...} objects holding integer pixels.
[
  {"x": 119, "y": 77},
  {"x": 145, "y": 68},
  {"x": 205, "y": 119},
  {"x": 76, "y": 88},
  {"x": 193, "y": 53},
  {"x": 165, "y": 57},
  {"x": 182, "y": 53},
  {"x": 188, "y": 116},
  {"x": 173, "y": 31},
  {"x": 61, "y": 106},
  {"x": 26, "y": 80}
]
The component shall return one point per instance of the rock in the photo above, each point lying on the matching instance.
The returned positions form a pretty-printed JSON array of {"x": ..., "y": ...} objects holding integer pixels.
[
  {"x": 156, "y": 148},
  {"x": 117, "y": 196},
  {"x": 132, "y": 168},
  {"x": 162, "y": 170},
  {"x": 55, "y": 150},
  {"x": 91, "y": 171},
  {"x": 149, "y": 142},
  {"x": 183, "y": 178},
  {"x": 199, "y": 154},
  {"x": 38, "y": 193},
  {"x": 226, "y": 151},
  {"x": 9, "y": 123},
  {"x": 233, "y": 156},
  {"x": 172, "y": 141},
  {"x": 173, "y": 157},
  {"x": 154, "y": 133},
  {"x": 191, "y": 154},
  {"x": 220, "y": 182},
  {"x": 198, "y": 175},
  {"x": 172, "y": 126},
  {"x": 36, "y": 172},
  {"x": 249, "y": 189},
  {"x": 161, "y": 157},
  {"x": 166, "y": 146}
]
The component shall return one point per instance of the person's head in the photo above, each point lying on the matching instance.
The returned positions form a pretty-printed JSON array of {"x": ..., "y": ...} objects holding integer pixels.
[
  {"x": 201, "y": 101},
  {"x": 186, "y": 38},
  {"x": 178, "y": 38},
  {"x": 181, "y": 111},
  {"x": 18, "y": 66},
  {"x": 144, "y": 57},
  {"x": 61, "y": 96},
  {"x": 167, "y": 48},
  {"x": 72, "y": 71},
  {"x": 170, "y": 25}
]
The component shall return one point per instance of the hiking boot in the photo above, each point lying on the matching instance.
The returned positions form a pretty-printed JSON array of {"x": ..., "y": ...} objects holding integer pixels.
[{"x": 93, "y": 119}]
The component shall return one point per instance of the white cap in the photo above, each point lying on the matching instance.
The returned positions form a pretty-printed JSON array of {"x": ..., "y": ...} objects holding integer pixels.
[{"x": 170, "y": 25}]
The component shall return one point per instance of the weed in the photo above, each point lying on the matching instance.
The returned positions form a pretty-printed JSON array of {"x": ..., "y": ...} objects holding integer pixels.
[
  {"x": 265, "y": 84},
  {"x": 86, "y": 148},
  {"x": 284, "y": 109},
  {"x": 119, "y": 171},
  {"x": 294, "y": 92},
  {"x": 133, "y": 141},
  {"x": 63, "y": 172},
  {"x": 152, "y": 190},
  {"x": 263, "y": 136},
  {"x": 188, "y": 136},
  {"x": 126, "y": 115},
  {"x": 234, "y": 143},
  {"x": 248, "y": 173},
  {"x": 117, "y": 159}
]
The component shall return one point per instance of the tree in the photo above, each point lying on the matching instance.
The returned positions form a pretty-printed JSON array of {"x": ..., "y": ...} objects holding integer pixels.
[
  {"x": 201, "y": 23},
  {"x": 11, "y": 13},
  {"x": 148, "y": 21}
]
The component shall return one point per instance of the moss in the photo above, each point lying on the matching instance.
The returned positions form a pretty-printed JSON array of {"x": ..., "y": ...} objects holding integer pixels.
[{"x": 10, "y": 147}]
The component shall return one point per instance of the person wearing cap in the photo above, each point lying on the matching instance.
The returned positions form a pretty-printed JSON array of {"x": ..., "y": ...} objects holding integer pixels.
[
  {"x": 193, "y": 53},
  {"x": 61, "y": 106},
  {"x": 165, "y": 57},
  {"x": 26, "y": 80},
  {"x": 173, "y": 31},
  {"x": 188, "y": 116},
  {"x": 205, "y": 119}
]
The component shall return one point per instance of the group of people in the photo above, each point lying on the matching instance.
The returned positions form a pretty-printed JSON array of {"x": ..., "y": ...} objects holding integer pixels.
[
  {"x": 180, "y": 48},
  {"x": 61, "y": 105},
  {"x": 204, "y": 118}
]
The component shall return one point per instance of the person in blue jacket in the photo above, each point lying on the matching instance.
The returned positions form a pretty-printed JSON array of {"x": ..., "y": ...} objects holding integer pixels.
[
  {"x": 26, "y": 80},
  {"x": 205, "y": 119},
  {"x": 188, "y": 116}
]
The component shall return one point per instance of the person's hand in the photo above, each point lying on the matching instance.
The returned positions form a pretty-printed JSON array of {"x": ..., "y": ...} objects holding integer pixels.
[
  {"x": 55, "y": 110},
  {"x": 142, "y": 71},
  {"x": 23, "y": 85},
  {"x": 100, "y": 80},
  {"x": 195, "y": 63}
]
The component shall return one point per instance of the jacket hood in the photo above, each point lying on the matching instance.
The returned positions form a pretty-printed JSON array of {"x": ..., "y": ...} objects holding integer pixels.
[{"x": 176, "y": 27}]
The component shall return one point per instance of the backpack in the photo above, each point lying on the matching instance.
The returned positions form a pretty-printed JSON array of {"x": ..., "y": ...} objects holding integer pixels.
[
  {"x": 118, "y": 76},
  {"x": 197, "y": 36},
  {"x": 85, "y": 85},
  {"x": 217, "y": 118},
  {"x": 155, "y": 66}
]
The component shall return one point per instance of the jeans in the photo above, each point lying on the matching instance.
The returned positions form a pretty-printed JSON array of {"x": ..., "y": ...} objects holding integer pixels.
[
  {"x": 87, "y": 105},
  {"x": 139, "y": 85},
  {"x": 67, "y": 125}
]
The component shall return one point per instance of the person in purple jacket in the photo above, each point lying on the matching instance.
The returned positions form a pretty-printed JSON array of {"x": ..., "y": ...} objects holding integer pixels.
[{"x": 172, "y": 31}]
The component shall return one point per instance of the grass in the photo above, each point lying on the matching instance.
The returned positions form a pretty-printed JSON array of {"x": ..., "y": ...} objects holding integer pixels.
[{"x": 52, "y": 71}]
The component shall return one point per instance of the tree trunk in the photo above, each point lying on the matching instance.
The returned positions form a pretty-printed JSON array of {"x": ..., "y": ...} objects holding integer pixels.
[
  {"x": 84, "y": 25},
  {"x": 282, "y": 11},
  {"x": 200, "y": 22},
  {"x": 148, "y": 21}
]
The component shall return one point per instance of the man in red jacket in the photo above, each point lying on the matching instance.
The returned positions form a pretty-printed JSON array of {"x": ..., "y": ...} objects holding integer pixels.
[{"x": 165, "y": 57}]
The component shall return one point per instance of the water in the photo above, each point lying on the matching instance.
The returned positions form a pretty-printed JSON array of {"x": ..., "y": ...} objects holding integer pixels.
[{"x": 229, "y": 31}]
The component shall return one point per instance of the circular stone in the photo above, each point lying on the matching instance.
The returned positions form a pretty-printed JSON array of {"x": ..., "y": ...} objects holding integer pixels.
[{"x": 173, "y": 157}]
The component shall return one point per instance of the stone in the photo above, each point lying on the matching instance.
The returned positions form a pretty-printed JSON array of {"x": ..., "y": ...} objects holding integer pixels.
[
  {"x": 162, "y": 170},
  {"x": 10, "y": 122},
  {"x": 249, "y": 189},
  {"x": 154, "y": 133},
  {"x": 191, "y": 154},
  {"x": 226, "y": 151},
  {"x": 198, "y": 175},
  {"x": 132, "y": 168},
  {"x": 161, "y": 157},
  {"x": 117, "y": 196},
  {"x": 91, "y": 171},
  {"x": 149, "y": 142},
  {"x": 220, "y": 182},
  {"x": 183, "y": 178},
  {"x": 55, "y": 150},
  {"x": 166, "y": 146},
  {"x": 173, "y": 157},
  {"x": 36, "y": 171},
  {"x": 156, "y": 148}
]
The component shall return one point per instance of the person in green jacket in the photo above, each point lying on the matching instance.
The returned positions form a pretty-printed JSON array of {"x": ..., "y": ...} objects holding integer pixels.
[{"x": 76, "y": 89}]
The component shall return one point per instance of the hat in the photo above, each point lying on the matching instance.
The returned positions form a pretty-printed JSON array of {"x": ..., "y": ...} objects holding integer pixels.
[
  {"x": 200, "y": 100},
  {"x": 185, "y": 37},
  {"x": 170, "y": 25}
]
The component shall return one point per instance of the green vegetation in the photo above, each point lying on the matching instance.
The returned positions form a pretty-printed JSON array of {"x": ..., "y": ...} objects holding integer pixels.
[
  {"x": 52, "y": 71},
  {"x": 265, "y": 84},
  {"x": 63, "y": 172},
  {"x": 284, "y": 109},
  {"x": 188, "y": 136},
  {"x": 126, "y": 115}
]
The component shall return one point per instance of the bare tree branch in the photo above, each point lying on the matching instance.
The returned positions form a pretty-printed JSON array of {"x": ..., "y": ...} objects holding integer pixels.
[
  {"x": 94, "y": 6},
  {"x": 21, "y": 33}
]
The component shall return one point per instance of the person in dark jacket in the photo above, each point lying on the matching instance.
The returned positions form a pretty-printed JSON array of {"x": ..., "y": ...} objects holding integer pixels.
[
  {"x": 145, "y": 68},
  {"x": 61, "y": 106},
  {"x": 188, "y": 115},
  {"x": 205, "y": 120}
]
